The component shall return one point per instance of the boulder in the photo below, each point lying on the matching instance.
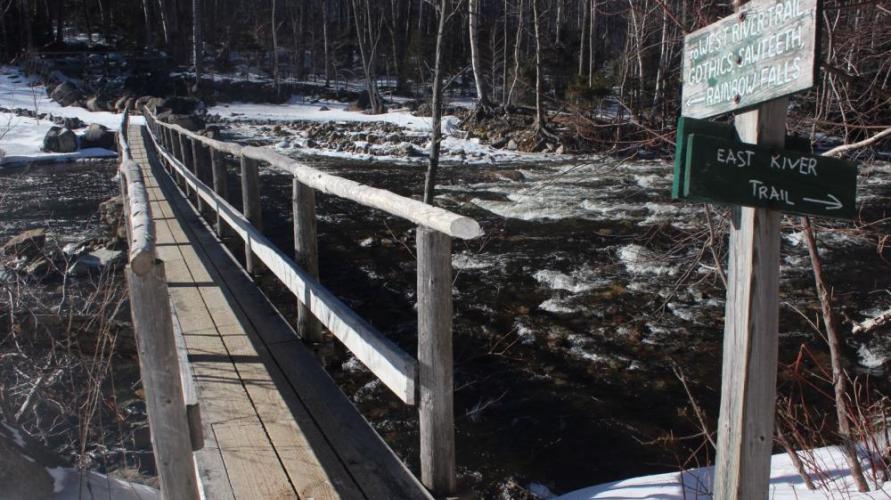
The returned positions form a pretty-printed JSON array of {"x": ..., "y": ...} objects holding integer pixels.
[
  {"x": 73, "y": 123},
  {"x": 155, "y": 103},
  {"x": 60, "y": 140},
  {"x": 95, "y": 261},
  {"x": 26, "y": 244},
  {"x": 188, "y": 122},
  {"x": 184, "y": 105},
  {"x": 94, "y": 104},
  {"x": 21, "y": 477},
  {"x": 362, "y": 103},
  {"x": 97, "y": 136},
  {"x": 512, "y": 145},
  {"x": 67, "y": 94}
]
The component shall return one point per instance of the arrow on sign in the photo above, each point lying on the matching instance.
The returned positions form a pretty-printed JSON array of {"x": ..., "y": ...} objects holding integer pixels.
[{"x": 834, "y": 204}]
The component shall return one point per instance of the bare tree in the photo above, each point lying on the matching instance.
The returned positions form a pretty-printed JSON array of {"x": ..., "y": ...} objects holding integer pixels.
[
  {"x": 482, "y": 93},
  {"x": 368, "y": 35}
]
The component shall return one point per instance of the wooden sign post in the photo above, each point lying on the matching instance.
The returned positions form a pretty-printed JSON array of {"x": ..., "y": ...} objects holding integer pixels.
[
  {"x": 751, "y": 61},
  {"x": 751, "y": 332}
]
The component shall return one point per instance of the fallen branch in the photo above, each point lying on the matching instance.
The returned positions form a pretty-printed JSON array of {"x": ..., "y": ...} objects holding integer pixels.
[
  {"x": 873, "y": 324},
  {"x": 844, "y": 148}
]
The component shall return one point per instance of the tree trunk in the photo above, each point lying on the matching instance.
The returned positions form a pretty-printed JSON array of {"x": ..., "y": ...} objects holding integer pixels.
[
  {"x": 839, "y": 377},
  {"x": 325, "y": 42},
  {"x": 274, "y": 29},
  {"x": 473, "y": 27},
  {"x": 147, "y": 14},
  {"x": 592, "y": 43},
  {"x": 367, "y": 41},
  {"x": 436, "y": 123},
  {"x": 519, "y": 40},
  {"x": 162, "y": 11},
  {"x": 582, "y": 39},
  {"x": 196, "y": 40},
  {"x": 539, "y": 107}
]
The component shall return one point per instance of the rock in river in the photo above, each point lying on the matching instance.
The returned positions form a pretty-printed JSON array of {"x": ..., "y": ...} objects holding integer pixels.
[
  {"x": 26, "y": 244},
  {"x": 60, "y": 140},
  {"x": 98, "y": 136}
]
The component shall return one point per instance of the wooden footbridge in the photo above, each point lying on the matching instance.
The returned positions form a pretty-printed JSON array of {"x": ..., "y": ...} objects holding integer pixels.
[{"x": 238, "y": 405}]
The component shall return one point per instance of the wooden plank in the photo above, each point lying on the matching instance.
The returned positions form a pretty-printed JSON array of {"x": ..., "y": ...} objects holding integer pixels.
[
  {"x": 307, "y": 458},
  {"x": 306, "y": 254},
  {"x": 748, "y": 383},
  {"x": 420, "y": 213},
  {"x": 764, "y": 51},
  {"x": 159, "y": 369},
  {"x": 396, "y": 369},
  {"x": 436, "y": 403},
  {"x": 190, "y": 394},
  {"x": 254, "y": 469}
]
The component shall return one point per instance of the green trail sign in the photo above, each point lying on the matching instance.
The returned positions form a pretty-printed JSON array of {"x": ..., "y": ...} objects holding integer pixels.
[
  {"x": 725, "y": 171},
  {"x": 766, "y": 50}
]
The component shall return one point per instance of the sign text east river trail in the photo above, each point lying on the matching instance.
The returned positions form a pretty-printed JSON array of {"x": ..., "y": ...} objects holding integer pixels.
[
  {"x": 765, "y": 51},
  {"x": 723, "y": 171}
]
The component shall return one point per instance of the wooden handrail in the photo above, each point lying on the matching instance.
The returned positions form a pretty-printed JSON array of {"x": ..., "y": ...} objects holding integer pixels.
[
  {"x": 393, "y": 366},
  {"x": 441, "y": 220},
  {"x": 175, "y": 425},
  {"x": 426, "y": 381}
]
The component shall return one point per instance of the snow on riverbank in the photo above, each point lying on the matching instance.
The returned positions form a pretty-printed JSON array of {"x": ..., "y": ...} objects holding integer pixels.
[
  {"x": 21, "y": 137},
  {"x": 455, "y": 147},
  {"x": 785, "y": 483}
]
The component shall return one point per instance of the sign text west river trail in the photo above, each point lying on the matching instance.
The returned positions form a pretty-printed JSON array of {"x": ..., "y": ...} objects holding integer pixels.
[{"x": 764, "y": 51}]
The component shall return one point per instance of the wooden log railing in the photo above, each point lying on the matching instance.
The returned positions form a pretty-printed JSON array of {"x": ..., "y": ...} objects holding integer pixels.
[
  {"x": 428, "y": 383},
  {"x": 173, "y": 415}
]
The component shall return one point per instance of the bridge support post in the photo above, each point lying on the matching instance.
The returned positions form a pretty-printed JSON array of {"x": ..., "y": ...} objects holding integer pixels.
[
  {"x": 159, "y": 365},
  {"x": 306, "y": 254},
  {"x": 220, "y": 183},
  {"x": 250, "y": 196},
  {"x": 436, "y": 403}
]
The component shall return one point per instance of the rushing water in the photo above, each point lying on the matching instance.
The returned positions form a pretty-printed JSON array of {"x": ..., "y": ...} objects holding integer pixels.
[
  {"x": 571, "y": 314},
  {"x": 62, "y": 198}
]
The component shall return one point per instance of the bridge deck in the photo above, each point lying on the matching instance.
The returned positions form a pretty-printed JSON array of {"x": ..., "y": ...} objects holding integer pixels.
[{"x": 275, "y": 425}]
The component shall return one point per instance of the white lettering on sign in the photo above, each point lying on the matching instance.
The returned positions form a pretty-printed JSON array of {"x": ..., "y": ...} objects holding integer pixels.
[
  {"x": 766, "y": 51},
  {"x": 763, "y": 191},
  {"x": 804, "y": 166},
  {"x": 740, "y": 159}
]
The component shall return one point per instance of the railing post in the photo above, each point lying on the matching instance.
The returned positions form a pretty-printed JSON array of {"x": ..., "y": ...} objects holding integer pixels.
[
  {"x": 196, "y": 169},
  {"x": 250, "y": 198},
  {"x": 159, "y": 366},
  {"x": 183, "y": 158},
  {"x": 220, "y": 183},
  {"x": 436, "y": 404},
  {"x": 306, "y": 254}
]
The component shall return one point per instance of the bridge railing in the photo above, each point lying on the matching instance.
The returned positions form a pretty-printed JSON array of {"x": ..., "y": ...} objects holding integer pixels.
[
  {"x": 199, "y": 163},
  {"x": 174, "y": 423}
]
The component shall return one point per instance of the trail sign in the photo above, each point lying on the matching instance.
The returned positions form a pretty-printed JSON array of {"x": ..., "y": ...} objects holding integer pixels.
[
  {"x": 687, "y": 126},
  {"x": 766, "y": 50},
  {"x": 723, "y": 171}
]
